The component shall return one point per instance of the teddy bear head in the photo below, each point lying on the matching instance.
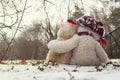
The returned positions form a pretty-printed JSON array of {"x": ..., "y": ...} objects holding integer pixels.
[
  {"x": 66, "y": 31},
  {"x": 89, "y": 24}
]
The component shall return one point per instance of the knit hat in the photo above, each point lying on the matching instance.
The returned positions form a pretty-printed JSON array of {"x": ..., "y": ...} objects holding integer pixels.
[{"x": 95, "y": 25}]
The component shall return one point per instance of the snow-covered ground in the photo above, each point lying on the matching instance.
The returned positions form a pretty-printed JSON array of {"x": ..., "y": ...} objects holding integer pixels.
[{"x": 57, "y": 72}]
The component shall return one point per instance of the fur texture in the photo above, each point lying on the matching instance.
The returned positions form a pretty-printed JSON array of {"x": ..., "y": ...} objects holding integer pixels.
[
  {"x": 86, "y": 50},
  {"x": 65, "y": 32}
]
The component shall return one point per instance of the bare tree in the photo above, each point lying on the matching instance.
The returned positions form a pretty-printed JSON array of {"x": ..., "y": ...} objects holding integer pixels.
[
  {"x": 14, "y": 17},
  {"x": 31, "y": 45}
]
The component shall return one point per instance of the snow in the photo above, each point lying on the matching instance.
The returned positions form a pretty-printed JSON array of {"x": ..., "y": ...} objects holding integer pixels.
[{"x": 57, "y": 72}]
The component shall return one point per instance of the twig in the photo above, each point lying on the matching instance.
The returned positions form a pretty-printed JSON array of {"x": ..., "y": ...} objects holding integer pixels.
[
  {"x": 112, "y": 31},
  {"x": 49, "y": 28},
  {"x": 50, "y": 2},
  {"x": 71, "y": 77},
  {"x": 7, "y": 14},
  {"x": 68, "y": 9},
  {"x": 4, "y": 38},
  {"x": 16, "y": 12},
  {"x": 3, "y": 8}
]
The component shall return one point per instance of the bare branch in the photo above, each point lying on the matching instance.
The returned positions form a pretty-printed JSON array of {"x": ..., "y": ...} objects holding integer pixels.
[
  {"x": 6, "y": 14},
  {"x": 16, "y": 12},
  {"x": 50, "y": 2},
  {"x": 3, "y": 8},
  {"x": 4, "y": 37},
  {"x": 69, "y": 9},
  {"x": 49, "y": 27}
]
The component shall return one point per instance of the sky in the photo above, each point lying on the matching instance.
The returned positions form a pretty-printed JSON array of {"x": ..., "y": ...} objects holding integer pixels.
[{"x": 57, "y": 11}]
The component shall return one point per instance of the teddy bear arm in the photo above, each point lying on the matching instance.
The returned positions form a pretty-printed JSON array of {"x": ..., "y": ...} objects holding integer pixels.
[
  {"x": 101, "y": 54},
  {"x": 63, "y": 46}
]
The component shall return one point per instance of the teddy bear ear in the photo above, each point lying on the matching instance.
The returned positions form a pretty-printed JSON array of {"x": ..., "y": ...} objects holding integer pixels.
[{"x": 71, "y": 21}]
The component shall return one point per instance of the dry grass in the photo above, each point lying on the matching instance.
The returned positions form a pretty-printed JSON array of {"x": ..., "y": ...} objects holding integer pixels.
[{"x": 23, "y": 61}]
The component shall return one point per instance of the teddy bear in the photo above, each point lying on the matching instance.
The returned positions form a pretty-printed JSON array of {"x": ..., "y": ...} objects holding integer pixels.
[
  {"x": 86, "y": 44},
  {"x": 66, "y": 31}
]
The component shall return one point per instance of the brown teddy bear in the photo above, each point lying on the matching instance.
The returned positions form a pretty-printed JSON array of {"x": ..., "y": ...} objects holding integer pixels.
[{"x": 66, "y": 31}]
